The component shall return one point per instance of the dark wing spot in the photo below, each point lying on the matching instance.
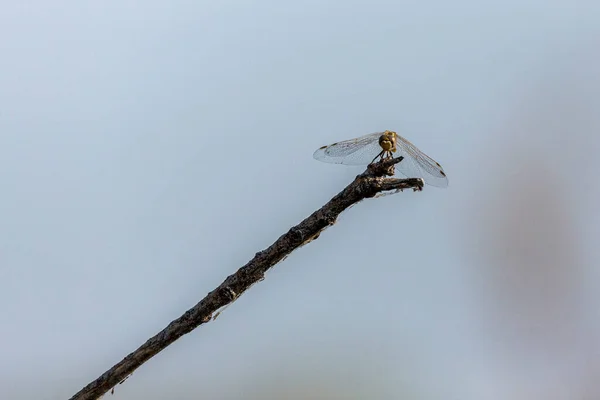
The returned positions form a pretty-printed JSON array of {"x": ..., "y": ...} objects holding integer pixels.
[
  {"x": 442, "y": 172},
  {"x": 329, "y": 148},
  {"x": 322, "y": 147}
]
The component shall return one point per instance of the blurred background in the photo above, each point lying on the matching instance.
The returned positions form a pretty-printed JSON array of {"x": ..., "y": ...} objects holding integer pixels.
[{"x": 150, "y": 149}]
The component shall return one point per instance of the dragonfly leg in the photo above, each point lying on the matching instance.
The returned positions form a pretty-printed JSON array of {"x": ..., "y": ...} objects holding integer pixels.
[{"x": 378, "y": 155}]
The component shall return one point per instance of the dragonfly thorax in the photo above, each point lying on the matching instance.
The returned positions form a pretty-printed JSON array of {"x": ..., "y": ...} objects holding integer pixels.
[{"x": 387, "y": 141}]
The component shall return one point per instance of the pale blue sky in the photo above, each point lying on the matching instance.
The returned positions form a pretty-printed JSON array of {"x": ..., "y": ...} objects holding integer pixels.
[{"x": 149, "y": 149}]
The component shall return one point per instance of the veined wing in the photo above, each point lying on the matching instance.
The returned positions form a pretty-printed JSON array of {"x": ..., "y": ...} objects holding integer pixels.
[
  {"x": 359, "y": 151},
  {"x": 417, "y": 164}
]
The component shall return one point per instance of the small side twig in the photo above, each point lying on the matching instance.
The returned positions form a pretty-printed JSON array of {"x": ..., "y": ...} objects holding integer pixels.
[{"x": 368, "y": 184}]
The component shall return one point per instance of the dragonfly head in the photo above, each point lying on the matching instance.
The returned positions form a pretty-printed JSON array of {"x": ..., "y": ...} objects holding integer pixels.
[{"x": 387, "y": 141}]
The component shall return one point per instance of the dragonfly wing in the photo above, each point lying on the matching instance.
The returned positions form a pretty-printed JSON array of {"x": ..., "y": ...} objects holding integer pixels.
[
  {"x": 417, "y": 164},
  {"x": 358, "y": 151}
]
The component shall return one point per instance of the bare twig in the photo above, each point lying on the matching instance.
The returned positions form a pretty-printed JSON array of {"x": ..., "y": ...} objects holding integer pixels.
[{"x": 368, "y": 184}]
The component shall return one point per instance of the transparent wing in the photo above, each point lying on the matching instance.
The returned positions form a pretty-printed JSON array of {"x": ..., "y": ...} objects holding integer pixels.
[
  {"x": 417, "y": 164},
  {"x": 358, "y": 151},
  {"x": 362, "y": 150}
]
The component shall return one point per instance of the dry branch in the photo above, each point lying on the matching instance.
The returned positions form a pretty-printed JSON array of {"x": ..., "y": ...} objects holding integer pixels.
[{"x": 373, "y": 181}]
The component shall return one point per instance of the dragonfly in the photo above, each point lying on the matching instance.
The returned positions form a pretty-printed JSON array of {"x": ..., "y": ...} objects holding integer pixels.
[{"x": 366, "y": 149}]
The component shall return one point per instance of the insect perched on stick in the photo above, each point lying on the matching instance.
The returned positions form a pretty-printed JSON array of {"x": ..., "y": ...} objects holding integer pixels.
[{"x": 366, "y": 149}]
